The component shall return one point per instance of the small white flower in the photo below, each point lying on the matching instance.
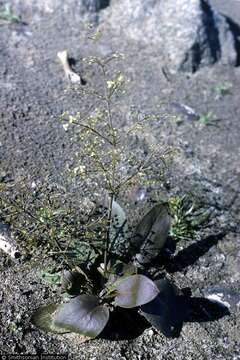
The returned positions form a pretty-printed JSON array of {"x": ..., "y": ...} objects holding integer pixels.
[{"x": 66, "y": 126}]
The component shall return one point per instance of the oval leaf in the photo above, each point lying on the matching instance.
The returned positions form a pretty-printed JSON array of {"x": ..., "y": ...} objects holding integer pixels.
[
  {"x": 135, "y": 290},
  {"x": 43, "y": 318},
  {"x": 168, "y": 310},
  {"x": 151, "y": 233},
  {"x": 83, "y": 315},
  {"x": 118, "y": 229},
  {"x": 118, "y": 214}
]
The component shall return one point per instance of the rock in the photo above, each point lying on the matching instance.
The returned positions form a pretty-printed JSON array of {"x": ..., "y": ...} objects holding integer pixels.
[
  {"x": 189, "y": 33},
  {"x": 26, "y": 8},
  {"x": 7, "y": 243},
  {"x": 225, "y": 294}
]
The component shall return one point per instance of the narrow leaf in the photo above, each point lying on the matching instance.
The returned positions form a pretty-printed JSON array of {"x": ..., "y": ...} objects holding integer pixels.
[
  {"x": 83, "y": 315},
  {"x": 151, "y": 234},
  {"x": 43, "y": 318},
  {"x": 134, "y": 290}
]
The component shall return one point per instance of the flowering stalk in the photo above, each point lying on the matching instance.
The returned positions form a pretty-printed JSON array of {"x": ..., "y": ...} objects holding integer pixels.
[{"x": 107, "y": 162}]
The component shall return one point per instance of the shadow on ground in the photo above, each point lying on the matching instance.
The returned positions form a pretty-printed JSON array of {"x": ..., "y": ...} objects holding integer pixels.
[
  {"x": 129, "y": 324},
  {"x": 173, "y": 306}
]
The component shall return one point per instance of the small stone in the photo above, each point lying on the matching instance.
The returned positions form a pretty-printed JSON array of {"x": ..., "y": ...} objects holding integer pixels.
[{"x": 150, "y": 333}]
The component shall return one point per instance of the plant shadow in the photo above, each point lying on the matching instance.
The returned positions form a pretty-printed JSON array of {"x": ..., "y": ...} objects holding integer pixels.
[
  {"x": 187, "y": 256},
  {"x": 170, "y": 315},
  {"x": 124, "y": 324},
  {"x": 127, "y": 324}
]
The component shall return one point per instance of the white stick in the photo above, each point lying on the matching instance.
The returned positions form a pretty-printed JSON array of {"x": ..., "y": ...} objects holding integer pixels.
[{"x": 70, "y": 74}]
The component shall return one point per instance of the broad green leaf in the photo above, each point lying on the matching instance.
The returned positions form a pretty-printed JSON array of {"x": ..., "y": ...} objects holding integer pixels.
[
  {"x": 134, "y": 290},
  {"x": 84, "y": 253},
  {"x": 168, "y": 310},
  {"x": 43, "y": 318},
  {"x": 83, "y": 315},
  {"x": 51, "y": 278},
  {"x": 151, "y": 234}
]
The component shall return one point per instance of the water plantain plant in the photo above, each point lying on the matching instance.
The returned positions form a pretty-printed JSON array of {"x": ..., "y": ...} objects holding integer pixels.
[
  {"x": 110, "y": 261},
  {"x": 103, "y": 255},
  {"x": 118, "y": 282}
]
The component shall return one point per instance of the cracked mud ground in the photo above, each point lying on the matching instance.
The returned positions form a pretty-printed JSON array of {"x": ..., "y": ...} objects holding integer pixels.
[{"x": 33, "y": 143}]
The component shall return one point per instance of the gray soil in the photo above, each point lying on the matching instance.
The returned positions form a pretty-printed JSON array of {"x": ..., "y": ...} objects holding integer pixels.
[{"x": 34, "y": 144}]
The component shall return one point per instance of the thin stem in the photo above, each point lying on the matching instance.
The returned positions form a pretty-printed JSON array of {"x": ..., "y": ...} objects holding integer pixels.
[
  {"x": 143, "y": 165},
  {"x": 90, "y": 92},
  {"x": 107, "y": 98},
  {"x": 100, "y": 163},
  {"x": 109, "y": 221},
  {"x": 108, "y": 101},
  {"x": 112, "y": 180},
  {"x": 87, "y": 127}
]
